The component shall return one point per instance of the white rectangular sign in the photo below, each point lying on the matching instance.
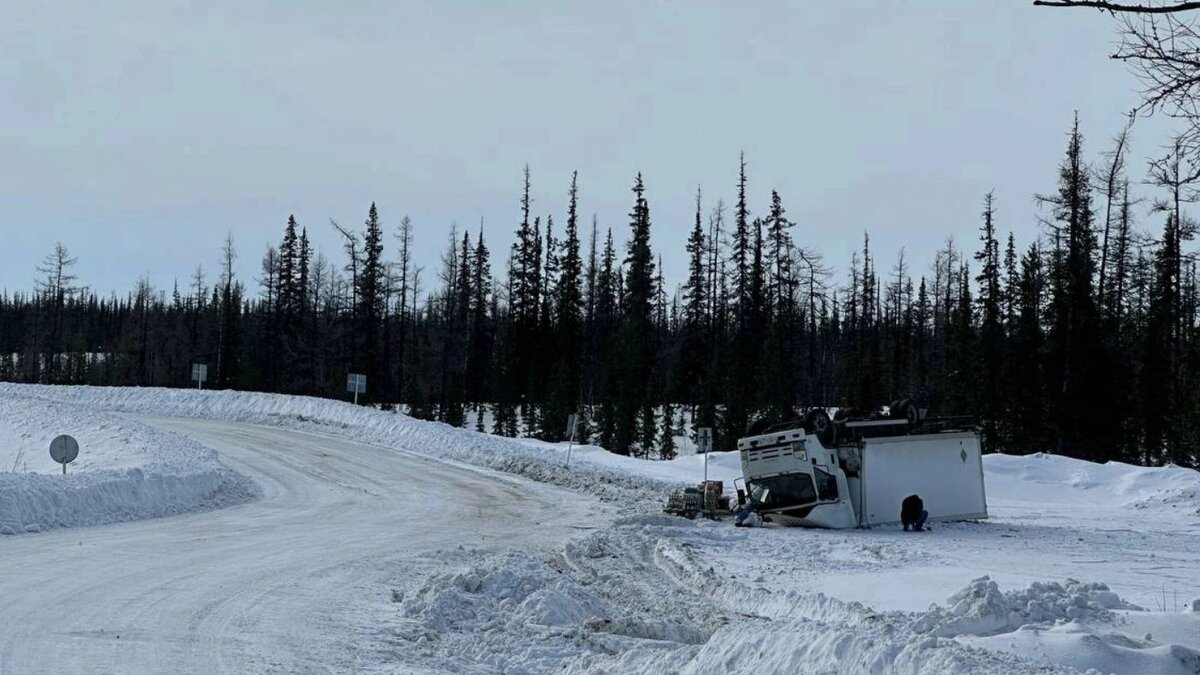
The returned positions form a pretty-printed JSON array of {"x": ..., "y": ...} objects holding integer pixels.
[
  {"x": 572, "y": 426},
  {"x": 356, "y": 383},
  {"x": 199, "y": 372},
  {"x": 704, "y": 439}
]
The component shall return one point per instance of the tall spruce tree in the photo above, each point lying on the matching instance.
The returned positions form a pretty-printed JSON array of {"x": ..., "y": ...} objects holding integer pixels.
[
  {"x": 1075, "y": 339},
  {"x": 990, "y": 304},
  {"x": 635, "y": 352},
  {"x": 567, "y": 318},
  {"x": 371, "y": 306}
]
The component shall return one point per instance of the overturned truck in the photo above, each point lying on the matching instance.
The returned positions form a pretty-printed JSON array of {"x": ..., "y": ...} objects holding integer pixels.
[{"x": 847, "y": 471}]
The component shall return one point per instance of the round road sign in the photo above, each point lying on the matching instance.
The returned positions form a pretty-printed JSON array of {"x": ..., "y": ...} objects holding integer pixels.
[{"x": 64, "y": 449}]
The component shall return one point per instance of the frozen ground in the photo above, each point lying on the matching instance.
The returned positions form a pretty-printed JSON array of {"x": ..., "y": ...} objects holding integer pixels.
[
  {"x": 277, "y": 585},
  {"x": 376, "y": 543}
]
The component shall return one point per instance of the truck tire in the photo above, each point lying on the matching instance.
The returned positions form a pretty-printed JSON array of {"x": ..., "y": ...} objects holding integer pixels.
[
  {"x": 818, "y": 423},
  {"x": 757, "y": 427}
]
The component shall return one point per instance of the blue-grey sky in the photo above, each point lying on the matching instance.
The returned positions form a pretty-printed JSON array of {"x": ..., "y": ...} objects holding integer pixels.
[{"x": 139, "y": 133}]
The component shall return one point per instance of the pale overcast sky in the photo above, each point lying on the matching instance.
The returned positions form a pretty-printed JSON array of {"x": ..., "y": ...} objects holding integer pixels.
[{"x": 139, "y": 133}]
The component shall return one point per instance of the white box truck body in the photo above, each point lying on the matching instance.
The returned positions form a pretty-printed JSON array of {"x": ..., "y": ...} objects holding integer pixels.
[{"x": 946, "y": 470}]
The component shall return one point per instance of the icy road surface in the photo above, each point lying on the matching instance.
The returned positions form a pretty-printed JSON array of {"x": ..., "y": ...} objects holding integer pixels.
[{"x": 267, "y": 586}]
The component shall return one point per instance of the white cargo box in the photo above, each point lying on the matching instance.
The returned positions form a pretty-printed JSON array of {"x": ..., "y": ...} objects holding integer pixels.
[{"x": 946, "y": 470}]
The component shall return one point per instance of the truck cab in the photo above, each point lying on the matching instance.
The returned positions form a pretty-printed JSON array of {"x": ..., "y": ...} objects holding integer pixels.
[{"x": 793, "y": 478}]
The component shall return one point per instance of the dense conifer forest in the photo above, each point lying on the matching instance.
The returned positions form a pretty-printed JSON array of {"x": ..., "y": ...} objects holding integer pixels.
[{"x": 1082, "y": 342}]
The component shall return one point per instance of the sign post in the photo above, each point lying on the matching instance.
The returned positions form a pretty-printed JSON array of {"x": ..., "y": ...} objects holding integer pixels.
[
  {"x": 199, "y": 374},
  {"x": 357, "y": 383},
  {"x": 704, "y": 444},
  {"x": 572, "y": 423},
  {"x": 64, "y": 450}
]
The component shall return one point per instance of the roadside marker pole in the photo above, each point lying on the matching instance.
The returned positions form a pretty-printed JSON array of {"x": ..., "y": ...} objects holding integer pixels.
[
  {"x": 704, "y": 444},
  {"x": 572, "y": 422}
]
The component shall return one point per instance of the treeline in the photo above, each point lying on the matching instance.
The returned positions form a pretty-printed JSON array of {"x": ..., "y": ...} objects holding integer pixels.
[{"x": 1083, "y": 342}]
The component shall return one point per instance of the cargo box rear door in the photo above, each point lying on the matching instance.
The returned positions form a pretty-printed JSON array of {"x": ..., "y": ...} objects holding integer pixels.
[{"x": 946, "y": 470}]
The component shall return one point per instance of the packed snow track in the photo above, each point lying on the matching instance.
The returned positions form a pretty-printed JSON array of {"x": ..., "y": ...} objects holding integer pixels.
[{"x": 268, "y": 586}]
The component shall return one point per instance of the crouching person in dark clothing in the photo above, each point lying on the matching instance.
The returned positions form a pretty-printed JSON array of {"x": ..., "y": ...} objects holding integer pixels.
[{"x": 913, "y": 513}]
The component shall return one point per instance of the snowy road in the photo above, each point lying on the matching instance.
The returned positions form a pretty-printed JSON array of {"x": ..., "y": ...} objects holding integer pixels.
[{"x": 261, "y": 587}]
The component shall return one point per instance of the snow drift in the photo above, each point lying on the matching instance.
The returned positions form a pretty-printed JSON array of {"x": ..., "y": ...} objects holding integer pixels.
[
  {"x": 363, "y": 424},
  {"x": 125, "y": 470},
  {"x": 980, "y": 608}
]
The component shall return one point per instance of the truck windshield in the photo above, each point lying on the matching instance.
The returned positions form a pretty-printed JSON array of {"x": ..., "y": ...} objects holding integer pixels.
[{"x": 783, "y": 491}]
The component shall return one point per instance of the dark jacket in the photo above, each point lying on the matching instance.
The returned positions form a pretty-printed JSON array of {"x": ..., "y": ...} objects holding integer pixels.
[{"x": 910, "y": 509}]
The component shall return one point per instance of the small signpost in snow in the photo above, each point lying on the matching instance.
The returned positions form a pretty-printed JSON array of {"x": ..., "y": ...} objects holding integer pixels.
[
  {"x": 199, "y": 374},
  {"x": 704, "y": 445},
  {"x": 357, "y": 383},
  {"x": 64, "y": 450},
  {"x": 572, "y": 424}
]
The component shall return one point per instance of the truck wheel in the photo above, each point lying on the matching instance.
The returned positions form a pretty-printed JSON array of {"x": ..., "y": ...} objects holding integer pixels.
[
  {"x": 819, "y": 424},
  {"x": 757, "y": 427}
]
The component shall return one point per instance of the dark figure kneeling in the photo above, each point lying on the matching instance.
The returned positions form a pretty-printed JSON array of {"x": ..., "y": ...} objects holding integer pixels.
[{"x": 913, "y": 513}]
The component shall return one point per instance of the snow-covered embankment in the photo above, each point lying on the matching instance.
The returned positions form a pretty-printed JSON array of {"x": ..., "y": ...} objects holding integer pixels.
[
  {"x": 362, "y": 424},
  {"x": 128, "y": 471},
  {"x": 125, "y": 470}
]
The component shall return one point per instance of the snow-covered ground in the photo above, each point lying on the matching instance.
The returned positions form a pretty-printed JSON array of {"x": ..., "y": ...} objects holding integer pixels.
[
  {"x": 125, "y": 470},
  {"x": 367, "y": 541}
]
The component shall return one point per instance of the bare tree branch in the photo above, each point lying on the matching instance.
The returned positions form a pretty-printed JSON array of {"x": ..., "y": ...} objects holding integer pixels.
[
  {"x": 1161, "y": 46},
  {"x": 1119, "y": 7}
]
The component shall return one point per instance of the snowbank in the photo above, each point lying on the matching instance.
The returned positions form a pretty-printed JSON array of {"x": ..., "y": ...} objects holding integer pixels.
[
  {"x": 1052, "y": 478},
  {"x": 1046, "y": 627},
  {"x": 1085, "y": 648},
  {"x": 981, "y": 609},
  {"x": 635, "y": 597},
  {"x": 363, "y": 424},
  {"x": 1073, "y": 624},
  {"x": 509, "y": 611},
  {"x": 125, "y": 471},
  {"x": 687, "y": 469}
]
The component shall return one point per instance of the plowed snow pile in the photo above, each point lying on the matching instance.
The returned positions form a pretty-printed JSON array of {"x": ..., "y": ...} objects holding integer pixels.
[
  {"x": 638, "y": 598},
  {"x": 981, "y": 609}
]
